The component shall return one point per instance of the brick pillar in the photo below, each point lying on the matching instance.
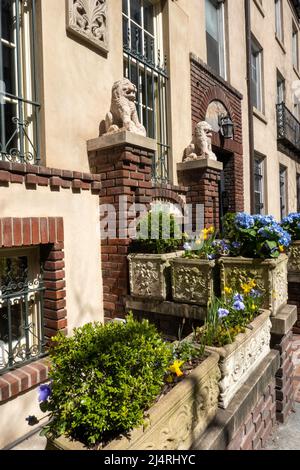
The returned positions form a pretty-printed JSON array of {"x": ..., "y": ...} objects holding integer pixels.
[
  {"x": 124, "y": 161},
  {"x": 294, "y": 299},
  {"x": 281, "y": 340},
  {"x": 202, "y": 179}
]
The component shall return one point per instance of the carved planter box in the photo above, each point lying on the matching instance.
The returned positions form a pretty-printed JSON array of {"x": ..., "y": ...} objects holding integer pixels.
[
  {"x": 192, "y": 280},
  {"x": 239, "y": 359},
  {"x": 176, "y": 420},
  {"x": 149, "y": 275},
  {"x": 294, "y": 260},
  {"x": 270, "y": 276}
]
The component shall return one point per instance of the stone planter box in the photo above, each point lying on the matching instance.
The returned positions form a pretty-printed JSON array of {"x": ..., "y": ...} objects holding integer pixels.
[
  {"x": 176, "y": 419},
  {"x": 239, "y": 359},
  {"x": 270, "y": 276},
  {"x": 294, "y": 259},
  {"x": 149, "y": 275},
  {"x": 192, "y": 280}
]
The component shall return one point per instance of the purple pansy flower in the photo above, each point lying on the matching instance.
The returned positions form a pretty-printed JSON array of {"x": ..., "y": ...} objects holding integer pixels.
[
  {"x": 238, "y": 298},
  {"x": 238, "y": 305},
  {"x": 44, "y": 392},
  {"x": 223, "y": 312}
]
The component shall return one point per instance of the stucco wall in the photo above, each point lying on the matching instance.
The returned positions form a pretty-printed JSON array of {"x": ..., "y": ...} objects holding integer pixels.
[
  {"x": 76, "y": 84},
  {"x": 82, "y": 242}
]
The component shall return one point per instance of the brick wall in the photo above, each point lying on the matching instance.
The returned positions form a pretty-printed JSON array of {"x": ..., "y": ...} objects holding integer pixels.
[
  {"x": 284, "y": 376},
  {"x": 257, "y": 428},
  {"x": 294, "y": 299},
  {"x": 124, "y": 171},
  {"x": 205, "y": 88}
]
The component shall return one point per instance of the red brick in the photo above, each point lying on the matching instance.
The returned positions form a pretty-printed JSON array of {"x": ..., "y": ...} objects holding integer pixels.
[
  {"x": 56, "y": 324},
  {"x": 44, "y": 232},
  {"x": 7, "y": 232},
  {"x": 55, "y": 295},
  {"x": 54, "y": 265},
  {"x": 54, "y": 275},
  {"x": 31, "y": 179},
  {"x": 4, "y": 176},
  {"x": 1, "y": 241},
  {"x": 55, "y": 304},
  {"x": 4, "y": 390},
  {"x": 42, "y": 181},
  {"x": 60, "y": 229},
  {"x": 35, "y": 231},
  {"x": 52, "y": 229},
  {"x": 26, "y": 229},
  {"x": 76, "y": 184},
  {"x": 17, "y": 232},
  {"x": 55, "y": 314}
]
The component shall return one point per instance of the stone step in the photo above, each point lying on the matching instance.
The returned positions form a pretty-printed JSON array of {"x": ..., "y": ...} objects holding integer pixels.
[{"x": 284, "y": 320}]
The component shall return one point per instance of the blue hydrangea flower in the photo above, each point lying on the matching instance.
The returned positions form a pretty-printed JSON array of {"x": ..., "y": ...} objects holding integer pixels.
[
  {"x": 236, "y": 245},
  {"x": 263, "y": 220},
  {"x": 223, "y": 313},
  {"x": 238, "y": 298},
  {"x": 243, "y": 220},
  {"x": 44, "y": 392},
  {"x": 239, "y": 306}
]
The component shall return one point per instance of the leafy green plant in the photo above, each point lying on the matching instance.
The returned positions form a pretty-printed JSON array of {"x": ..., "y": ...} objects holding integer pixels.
[
  {"x": 104, "y": 377},
  {"x": 230, "y": 315},
  {"x": 157, "y": 233},
  {"x": 291, "y": 224}
]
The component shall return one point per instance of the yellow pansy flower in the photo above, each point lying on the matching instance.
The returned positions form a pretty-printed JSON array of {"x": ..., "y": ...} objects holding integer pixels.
[
  {"x": 228, "y": 290},
  {"x": 246, "y": 288},
  {"x": 281, "y": 248},
  {"x": 175, "y": 368}
]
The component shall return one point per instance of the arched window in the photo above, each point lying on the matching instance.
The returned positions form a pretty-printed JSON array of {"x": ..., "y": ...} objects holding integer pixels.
[
  {"x": 19, "y": 107},
  {"x": 145, "y": 66}
]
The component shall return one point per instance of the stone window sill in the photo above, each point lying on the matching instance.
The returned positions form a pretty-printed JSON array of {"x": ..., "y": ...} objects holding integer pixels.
[
  {"x": 18, "y": 381},
  {"x": 260, "y": 8},
  {"x": 260, "y": 115},
  {"x": 280, "y": 44}
]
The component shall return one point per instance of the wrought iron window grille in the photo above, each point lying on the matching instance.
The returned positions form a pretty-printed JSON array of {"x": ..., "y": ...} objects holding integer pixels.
[
  {"x": 22, "y": 338},
  {"x": 288, "y": 128}
]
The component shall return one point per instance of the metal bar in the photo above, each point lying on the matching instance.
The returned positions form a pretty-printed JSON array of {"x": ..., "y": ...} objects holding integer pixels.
[
  {"x": 36, "y": 91},
  {"x": 2, "y": 84},
  {"x": 10, "y": 348},
  {"x": 19, "y": 76},
  {"x": 18, "y": 98},
  {"x": 26, "y": 326},
  {"x": 144, "y": 62}
]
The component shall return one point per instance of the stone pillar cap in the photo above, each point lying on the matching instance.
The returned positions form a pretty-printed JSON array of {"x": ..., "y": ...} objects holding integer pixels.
[
  {"x": 203, "y": 163},
  {"x": 122, "y": 138}
]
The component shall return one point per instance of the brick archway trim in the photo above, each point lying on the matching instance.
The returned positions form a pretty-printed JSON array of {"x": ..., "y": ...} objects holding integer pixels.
[
  {"x": 48, "y": 233},
  {"x": 213, "y": 94}
]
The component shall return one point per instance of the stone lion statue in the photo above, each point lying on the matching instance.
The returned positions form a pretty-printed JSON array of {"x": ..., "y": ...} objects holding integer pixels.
[
  {"x": 123, "y": 114},
  {"x": 200, "y": 147}
]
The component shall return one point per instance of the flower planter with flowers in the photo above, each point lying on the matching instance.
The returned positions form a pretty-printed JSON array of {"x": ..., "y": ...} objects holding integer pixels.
[
  {"x": 257, "y": 251},
  {"x": 193, "y": 273},
  {"x": 149, "y": 262},
  {"x": 120, "y": 387},
  {"x": 292, "y": 225},
  {"x": 239, "y": 331}
]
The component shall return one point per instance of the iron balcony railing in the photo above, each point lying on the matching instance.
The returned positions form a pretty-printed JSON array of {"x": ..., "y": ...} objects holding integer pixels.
[
  {"x": 147, "y": 70},
  {"x": 22, "y": 338},
  {"x": 288, "y": 128}
]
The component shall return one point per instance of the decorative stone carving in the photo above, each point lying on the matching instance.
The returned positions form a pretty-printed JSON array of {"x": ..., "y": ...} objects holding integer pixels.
[
  {"x": 178, "y": 418},
  {"x": 88, "y": 20},
  {"x": 149, "y": 275},
  {"x": 239, "y": 359},
  {"x": 123, "y": 114},
  {"x": 270, "y": 276},
  {"x": 192, "y": 280},
  {"x": 294, "y": 259},
  {"x": 200, "y": 147}
]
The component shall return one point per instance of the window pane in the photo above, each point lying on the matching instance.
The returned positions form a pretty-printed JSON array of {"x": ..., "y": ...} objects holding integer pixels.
[
  {"x": 135, "y": 11},
  {"x": 125, "y": 6},
  {"x": 7, "y": 32},
  {"x": 136, "y": 39},
  {"x": 126, "y": 39},
  {"x": 9, "y": 69},
  {"x": 298, "y": 193},
  {"x": 212, "y": 23},
  {"x": 9, "y": 111},
  {"x": 278, "y": 19},
  {"x": 148, "y": 17}
]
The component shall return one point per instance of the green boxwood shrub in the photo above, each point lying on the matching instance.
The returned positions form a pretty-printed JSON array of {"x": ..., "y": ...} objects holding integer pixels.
[{"x": 104, "y": 378}]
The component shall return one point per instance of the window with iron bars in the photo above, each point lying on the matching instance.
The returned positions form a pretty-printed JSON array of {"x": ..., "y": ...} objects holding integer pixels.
[
  {"x": 19, "y": 107},
  {"x": 145, "y": 66},
  {"x": 21, "y": 309},
  {"x": 259, "y": 185}
]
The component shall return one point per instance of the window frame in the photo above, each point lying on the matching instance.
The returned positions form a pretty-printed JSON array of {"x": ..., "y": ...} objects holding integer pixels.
[
  {"x": 279, "y": 24},
  {"x": 220, "y": 8},
  {"x": 298, "y": 191},
  {"x": 280, "y": 82},
  {"x": 283, "y": 194},
  {"x": 261, "y": 163},
  {"x": 36, "y": 317},
  {"x": 257, "y": 55},
  {"x": 295, "y": 46}
]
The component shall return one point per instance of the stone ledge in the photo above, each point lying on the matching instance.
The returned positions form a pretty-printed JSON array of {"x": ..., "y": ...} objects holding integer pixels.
[
  {"x": 202, "y": 164},
  {"x": 284, "y": 320},
  {"x": 121, "y": 138},
  {"x": 20, "y": 380},
  {"x": 227, "y": 422},
  {"x": 174, "y": 309}
]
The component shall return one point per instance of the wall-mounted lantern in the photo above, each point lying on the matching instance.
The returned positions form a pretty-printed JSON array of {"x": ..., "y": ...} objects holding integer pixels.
[{"x": 226, "y": 126}]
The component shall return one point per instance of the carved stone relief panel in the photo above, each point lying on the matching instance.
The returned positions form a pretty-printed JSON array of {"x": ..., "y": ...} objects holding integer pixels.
[{"x": 88, "y": 20}]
